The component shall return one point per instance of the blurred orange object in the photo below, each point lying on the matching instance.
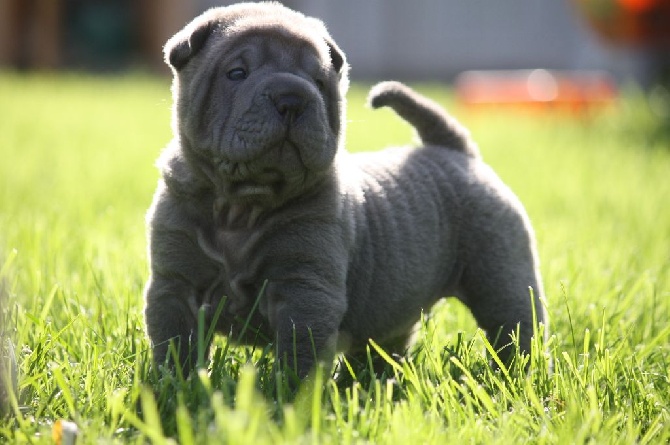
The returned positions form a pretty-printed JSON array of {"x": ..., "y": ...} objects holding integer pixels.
[
  {"x": 574, "y": 91},
  {"x": 64, "y": 432},
  {"x": 637, "y": 22}
]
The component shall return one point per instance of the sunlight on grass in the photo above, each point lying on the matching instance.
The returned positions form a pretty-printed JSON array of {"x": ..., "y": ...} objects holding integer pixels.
[{"x": 77, "y": 175}]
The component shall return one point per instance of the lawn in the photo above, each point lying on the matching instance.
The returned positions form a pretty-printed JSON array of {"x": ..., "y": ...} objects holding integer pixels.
[{"x": 77, "y": 174}]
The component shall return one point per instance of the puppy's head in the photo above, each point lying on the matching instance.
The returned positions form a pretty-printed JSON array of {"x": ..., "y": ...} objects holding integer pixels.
[{"x": 258, "y": 100}]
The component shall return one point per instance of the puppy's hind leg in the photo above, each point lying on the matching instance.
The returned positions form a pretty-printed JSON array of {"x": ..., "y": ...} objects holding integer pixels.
[{"x": 501, "y": 285}]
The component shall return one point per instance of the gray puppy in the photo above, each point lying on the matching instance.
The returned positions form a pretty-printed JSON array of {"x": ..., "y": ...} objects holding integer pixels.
[{"x": 263, "y": 220}]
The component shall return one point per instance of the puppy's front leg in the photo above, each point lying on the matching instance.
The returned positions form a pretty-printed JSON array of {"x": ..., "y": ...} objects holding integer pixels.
[
  {"x": 306, "y": 319},
  {"x": 170, "y": 319},
  {"x": 182, "y": 274}
]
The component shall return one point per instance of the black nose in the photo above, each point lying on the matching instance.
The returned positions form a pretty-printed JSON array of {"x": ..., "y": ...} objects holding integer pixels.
[{"x": 289, "y": 105}]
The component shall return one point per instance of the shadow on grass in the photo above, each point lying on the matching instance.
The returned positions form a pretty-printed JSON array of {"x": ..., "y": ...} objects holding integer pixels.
[{"x": 244, "y": 383}]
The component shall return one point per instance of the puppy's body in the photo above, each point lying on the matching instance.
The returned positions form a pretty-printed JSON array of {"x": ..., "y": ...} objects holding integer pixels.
[
  {"x": 261, "y": 210},
  {"x": 428, "y": 225}
]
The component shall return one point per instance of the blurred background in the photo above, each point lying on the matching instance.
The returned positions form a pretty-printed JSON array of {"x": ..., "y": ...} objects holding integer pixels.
[{"x": 557, "y": 53}]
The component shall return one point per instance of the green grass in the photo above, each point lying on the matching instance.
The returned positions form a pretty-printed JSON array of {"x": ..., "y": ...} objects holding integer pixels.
[{"x": 76, "y": 175}]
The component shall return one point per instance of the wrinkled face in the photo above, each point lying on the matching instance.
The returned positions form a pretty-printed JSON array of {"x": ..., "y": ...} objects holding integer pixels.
[{"x": 258, "y": 109}]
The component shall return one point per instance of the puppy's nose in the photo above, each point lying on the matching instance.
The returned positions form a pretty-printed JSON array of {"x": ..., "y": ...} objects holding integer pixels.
[{"x": 289, "y": 105}]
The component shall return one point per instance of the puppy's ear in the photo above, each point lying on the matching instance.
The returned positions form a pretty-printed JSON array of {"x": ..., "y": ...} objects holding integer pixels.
[
  {"x": 336, "y": 55},
  {"x": 186, "y": 44}
]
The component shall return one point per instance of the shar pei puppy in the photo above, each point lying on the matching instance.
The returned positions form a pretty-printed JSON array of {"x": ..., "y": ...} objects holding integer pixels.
[{"x": 264, "y": 224}]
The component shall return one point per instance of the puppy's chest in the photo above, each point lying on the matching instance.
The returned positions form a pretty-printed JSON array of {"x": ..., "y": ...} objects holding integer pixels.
[
  {"x": 234, "y": 231},
  {"x": 239, "y": 250}
]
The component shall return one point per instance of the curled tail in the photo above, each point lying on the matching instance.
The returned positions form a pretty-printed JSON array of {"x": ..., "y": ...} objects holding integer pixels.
[{"x": 434, "y": 125}]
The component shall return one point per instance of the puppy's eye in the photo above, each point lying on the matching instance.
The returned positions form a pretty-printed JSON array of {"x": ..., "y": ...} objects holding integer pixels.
[{"x": 237, "y": 74}]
